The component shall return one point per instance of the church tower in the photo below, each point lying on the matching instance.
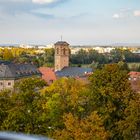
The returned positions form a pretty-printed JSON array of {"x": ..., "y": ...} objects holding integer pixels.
[{"x": 62, "y": 54}]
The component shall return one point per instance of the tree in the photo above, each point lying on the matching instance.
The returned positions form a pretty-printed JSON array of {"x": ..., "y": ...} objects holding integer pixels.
[
  {"x": 64, "y": 96},
  {"x": 89, "y": 128},
  {"x": 79, "y": 58},
  {"x": 110, "y": 95},
  {"x": 129, "y": 56},
  {"x": 106, "y": 108},
  {"x": 32, "y": 84},
  {"x": 130, "y": 125},
  {"x": 117, "y": 55},
  {"x": 7, "y": 54},
  {"x": 88, "y": 57},
  {"x": 67, "y": 104},
  {"x": 49, "y": 56},
  {"x": 138, "y": 69},
  {"x": 123, "y": 66},
  {"x": 5, "y": 104},
  {"x": 26, "y": 113}
]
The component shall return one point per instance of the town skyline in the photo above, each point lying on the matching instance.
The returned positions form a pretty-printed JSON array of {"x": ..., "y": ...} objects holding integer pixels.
[{"x": 80, "y": 22}]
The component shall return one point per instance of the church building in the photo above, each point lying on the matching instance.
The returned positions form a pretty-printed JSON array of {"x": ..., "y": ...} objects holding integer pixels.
[
  {"x": 62, "y": 68},
  {"x": 11, "y": 72},
  {"x": 62, "y": 54}
]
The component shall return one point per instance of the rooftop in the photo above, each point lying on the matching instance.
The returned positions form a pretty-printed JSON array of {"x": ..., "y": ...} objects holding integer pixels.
[
  {"x": 73, "y": 72},
  {"x": 16, "y": 71},
  {"x": 61, "y": 43},
  {"x": 48, "y": 74}
]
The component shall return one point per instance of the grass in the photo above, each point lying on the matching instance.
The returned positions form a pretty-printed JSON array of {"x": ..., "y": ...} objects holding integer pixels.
[{"x": 133, "y": 66}]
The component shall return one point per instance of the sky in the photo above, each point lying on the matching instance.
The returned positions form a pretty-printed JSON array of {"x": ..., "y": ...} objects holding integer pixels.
[{"x": 79, "y": 22}]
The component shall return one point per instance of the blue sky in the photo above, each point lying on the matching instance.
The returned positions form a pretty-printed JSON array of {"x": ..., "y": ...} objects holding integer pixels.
[{"x": 83, "y": 22}]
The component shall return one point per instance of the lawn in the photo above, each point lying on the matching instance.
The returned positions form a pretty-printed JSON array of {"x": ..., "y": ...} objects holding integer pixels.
[{"x": 133, "y": 66}]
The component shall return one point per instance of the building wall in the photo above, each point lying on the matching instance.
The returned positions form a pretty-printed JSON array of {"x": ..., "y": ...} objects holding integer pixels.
[
  {"x": 6, "y": 84},
  {"x": 62, "y": 54},
  {"x": 61, "y": 62}
]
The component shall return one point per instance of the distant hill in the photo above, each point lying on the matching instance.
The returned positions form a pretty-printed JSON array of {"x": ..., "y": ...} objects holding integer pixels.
[
  {"x": 9, "y": 45},
  {"x": 137, "y": 45},
  {"x": 126, "y": 44}
]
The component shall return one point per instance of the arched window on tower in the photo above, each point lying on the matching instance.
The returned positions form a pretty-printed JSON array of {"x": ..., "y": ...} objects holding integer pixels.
[
  {"x": 57, "y": 51},
  {"x": 64, "y": 51}
]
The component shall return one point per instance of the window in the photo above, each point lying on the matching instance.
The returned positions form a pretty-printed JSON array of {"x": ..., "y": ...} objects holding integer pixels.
[
  {"x": 64, "y": 51},
  {"x": 57, "y": 51},
  {"x": 1, "y": 83},
  {"x": 51, "y": 81},
  {"x": 9, "y": 83}
]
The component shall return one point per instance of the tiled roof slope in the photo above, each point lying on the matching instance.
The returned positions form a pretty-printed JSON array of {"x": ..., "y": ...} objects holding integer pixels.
[
  {"x": 4, "y": 62},
  {"x": 134, "y": 74},
  {"x": 48, "y": 74},
  {"x": 73, "y": 72},
  {"x": 16, "y": 71}
]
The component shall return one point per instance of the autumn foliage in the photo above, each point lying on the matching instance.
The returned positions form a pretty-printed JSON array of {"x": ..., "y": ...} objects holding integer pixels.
[{"x": 104, "y": 109}]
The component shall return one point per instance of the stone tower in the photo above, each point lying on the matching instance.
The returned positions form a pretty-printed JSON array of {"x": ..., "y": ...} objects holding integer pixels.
[{"x": 62, "y": 54}]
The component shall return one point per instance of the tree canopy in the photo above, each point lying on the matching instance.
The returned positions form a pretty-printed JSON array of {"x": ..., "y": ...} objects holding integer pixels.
[{"x": 106, "y": 108}]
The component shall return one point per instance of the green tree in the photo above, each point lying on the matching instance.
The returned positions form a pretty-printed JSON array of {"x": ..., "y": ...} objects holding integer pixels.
[
  {"x": 138, "y": 69},
  {"x": 129, "y": 127},
  {"x": 89, "y": 128},
  {"x": 27, "y": 113},
  {"x": 49, "y": 55},
  {"x": 129, "y": 56},
  {"x": 88, "y": 57},
  {"x": 69, "y": 98},
  {"x": 123, "y": 66},
  {"x": 106, "y": 108},
  {"x": 110, "y": 96},
  {"x": 64, "y": 96},
  {"x": 7, "y": 54},
  {"x": 5, "y": 104},
  {"x": 117, "y": 55},
  {"x": 33, "y": 84}
]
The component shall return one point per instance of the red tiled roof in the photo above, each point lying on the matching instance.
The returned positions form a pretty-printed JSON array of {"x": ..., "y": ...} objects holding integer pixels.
[
  {"x": 134, "y": 74},
  {"x": 48, "y": 74}
]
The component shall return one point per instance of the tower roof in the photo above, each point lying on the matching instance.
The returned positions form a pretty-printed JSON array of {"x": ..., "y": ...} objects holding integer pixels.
[{"x": 64, "y": 43}]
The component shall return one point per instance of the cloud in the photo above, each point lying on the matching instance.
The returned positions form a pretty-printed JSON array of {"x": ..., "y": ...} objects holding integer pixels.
[
  {"x": 120, "y": 15},
  {"x": 136, "y": 13},
  {"x": 116, "y": 16},
  {"x": 12, "y": 8},
  {"x": 126, "y": 13},
  {"x": 44, "y": 1},
  {"x": 15, "y": 1},
  {"x": 45, "y": 16}
]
